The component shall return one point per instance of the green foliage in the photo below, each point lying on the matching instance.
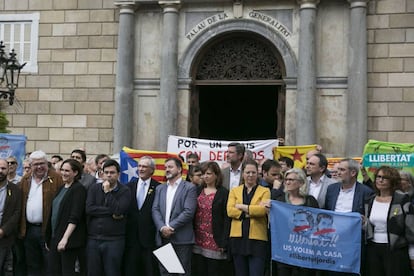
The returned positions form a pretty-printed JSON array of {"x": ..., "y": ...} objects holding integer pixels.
[{"x": 4, "y": 123}]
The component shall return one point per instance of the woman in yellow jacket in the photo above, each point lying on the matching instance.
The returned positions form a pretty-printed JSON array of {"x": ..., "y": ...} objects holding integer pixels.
[{"x": 248, "y": 233}]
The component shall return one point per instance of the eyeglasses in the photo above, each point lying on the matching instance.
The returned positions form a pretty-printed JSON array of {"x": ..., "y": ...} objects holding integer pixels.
[
  {"x": 12, "y": 162},
  {"x": 381, "y": 177},
  {"x": 290, "y": 179},
  {"x": 38, "y": 164}
]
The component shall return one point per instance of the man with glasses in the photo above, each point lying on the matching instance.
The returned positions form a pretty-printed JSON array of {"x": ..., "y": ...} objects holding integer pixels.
[
  {"x": 12, "y": 176},
  {"x": 38, "y": 191},
  {"x": 86, "y": 179},
  {"x": 106, "y": 207}
]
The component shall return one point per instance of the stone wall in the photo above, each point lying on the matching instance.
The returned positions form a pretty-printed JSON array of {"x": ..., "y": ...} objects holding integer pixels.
[
  {"x": 68, "y": 104},
  {"x": 391, "y": 70}
]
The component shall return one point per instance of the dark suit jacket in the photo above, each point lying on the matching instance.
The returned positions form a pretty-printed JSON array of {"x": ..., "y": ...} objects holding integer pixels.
[
  {"x": 11, "y": 214},
  {"x": 362, "y": 194},
  {"x": 220, "y": 220},
  {"x": 87, "y": 180},
  {"x": 182, "y": 212},
  {"x": 71, "y": 210},
  {"x": 140, "y": 229}
]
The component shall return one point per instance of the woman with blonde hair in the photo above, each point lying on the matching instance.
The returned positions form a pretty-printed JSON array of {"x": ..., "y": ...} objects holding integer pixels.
[{"x": 295, "y": 193}]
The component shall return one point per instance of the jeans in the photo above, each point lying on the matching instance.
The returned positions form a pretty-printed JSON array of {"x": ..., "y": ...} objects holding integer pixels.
[{"x": 105, "y": 257}]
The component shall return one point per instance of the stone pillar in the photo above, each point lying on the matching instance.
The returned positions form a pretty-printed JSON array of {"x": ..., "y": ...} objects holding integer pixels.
[
  {"x": 306, "y": 98},
  {"x": 169, "y": 67},
  {"x": 357, "y": 79},
  {"x": 124, "y": 77}
]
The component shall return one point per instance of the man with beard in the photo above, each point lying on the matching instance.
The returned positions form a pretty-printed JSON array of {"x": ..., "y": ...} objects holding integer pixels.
[
  {"x": 232, "y": 174},
  {"x": 173, "y": 212},
  {"x": 38, "y": 191},
  {"x": 10, "y": 207}
]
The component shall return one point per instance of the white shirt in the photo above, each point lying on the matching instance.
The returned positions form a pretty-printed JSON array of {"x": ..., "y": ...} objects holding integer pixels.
[
  {"x": 171, "y": 189},
  {"x": 34, "y": 206},
  {"x": 140, "y": 186},
  {"x": 378, "y": 218},
  {"x": 315, "y": 187},
  {"x": 16, "y": 179},
  {"x": 235, "y": 177},
  {"x": 345, "y": 200}
]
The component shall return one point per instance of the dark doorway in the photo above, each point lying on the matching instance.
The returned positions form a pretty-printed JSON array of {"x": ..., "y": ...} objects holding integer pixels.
[{"x": 238, "y": 112}]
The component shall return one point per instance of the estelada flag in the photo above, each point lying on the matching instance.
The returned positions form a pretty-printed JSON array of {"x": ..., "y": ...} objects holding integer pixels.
[
  {"x": 296, "y": 153},
  {"x": 333, "y": 160},
  {"x": 129, "y": 159}
]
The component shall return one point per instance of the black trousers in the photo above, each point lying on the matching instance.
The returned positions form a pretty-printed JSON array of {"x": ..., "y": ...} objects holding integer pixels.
[
  {"x": 35, "y": 251},
  {"x": 139, "y": 261},
  {"x": 6, "y": 261},
  {"x": 381, "y": 261},
  {"x": 63, "y": 263}
]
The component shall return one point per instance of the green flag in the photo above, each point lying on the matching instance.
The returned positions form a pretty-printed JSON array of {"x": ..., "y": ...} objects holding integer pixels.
[{"x": 379, "y": 153}]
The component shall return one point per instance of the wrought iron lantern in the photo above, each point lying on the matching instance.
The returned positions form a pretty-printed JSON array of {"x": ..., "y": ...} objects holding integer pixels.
[{"x": 9, "y": 74}]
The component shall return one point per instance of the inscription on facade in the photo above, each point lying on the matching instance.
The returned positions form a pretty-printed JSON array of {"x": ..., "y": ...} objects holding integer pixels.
[
  {"x": 270, "y": 21},
  {"x": 205, "y": 23}
]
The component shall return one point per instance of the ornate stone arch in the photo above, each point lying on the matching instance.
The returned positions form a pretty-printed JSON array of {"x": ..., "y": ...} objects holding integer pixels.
[
  {"x": 190, "y": 55},
  {"x": 241, "y": 56}
]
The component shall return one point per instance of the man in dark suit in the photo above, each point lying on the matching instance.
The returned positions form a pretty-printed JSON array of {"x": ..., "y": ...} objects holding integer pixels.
[
  {"x": 348, "y": 196},
  {"x": 10, "y": 207},
  {"x": 140, "y": 235},
  {"x": 173, "y": 211},
  {"x": 232, "y": 174},
  {"x": 337, "y": 198}
]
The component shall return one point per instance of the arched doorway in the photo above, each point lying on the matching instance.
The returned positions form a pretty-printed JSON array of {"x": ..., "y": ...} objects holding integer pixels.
[{"x": 238, "y": 90}]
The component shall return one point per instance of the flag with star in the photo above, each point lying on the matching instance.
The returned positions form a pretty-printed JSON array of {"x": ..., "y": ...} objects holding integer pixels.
[
  {"x": 129, "y": 159},
  {"x": 296, "y": 153}
]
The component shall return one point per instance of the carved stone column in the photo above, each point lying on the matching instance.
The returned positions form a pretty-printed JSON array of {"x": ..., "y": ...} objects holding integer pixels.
[
  {"x": 306, "y": 86},
  {"x": 169, "y": 68},
  {"x": 357, "y": 79},
  {"x": 124, "y": 77}
]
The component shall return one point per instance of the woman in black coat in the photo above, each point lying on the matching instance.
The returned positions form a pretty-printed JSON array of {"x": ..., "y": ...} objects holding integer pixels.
[
  {"x": 66, "y": 229},
  {"x": 211, "y": 224}
]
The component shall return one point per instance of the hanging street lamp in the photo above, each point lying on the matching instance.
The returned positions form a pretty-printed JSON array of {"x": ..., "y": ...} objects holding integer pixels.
[{"x": 9, "y": 74}]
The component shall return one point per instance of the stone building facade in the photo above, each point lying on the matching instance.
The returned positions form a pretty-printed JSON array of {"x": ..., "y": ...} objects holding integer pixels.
[{"x": 332, "y": 72}]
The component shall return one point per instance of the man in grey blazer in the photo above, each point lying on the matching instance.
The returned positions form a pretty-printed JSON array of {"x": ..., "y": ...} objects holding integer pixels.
[
  {"x": 173, "y": 211},
  {"x": 232, "y": 174},
  {"x": 318, "y": 182}
]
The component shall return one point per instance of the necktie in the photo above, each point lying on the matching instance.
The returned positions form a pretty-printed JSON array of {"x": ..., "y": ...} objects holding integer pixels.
[{"x": 141, "y": 195}]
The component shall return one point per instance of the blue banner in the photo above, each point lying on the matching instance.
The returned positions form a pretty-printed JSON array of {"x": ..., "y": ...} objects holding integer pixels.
[
  {"x": 13, "y": 145},
  {"x": 315, "y": 238}
]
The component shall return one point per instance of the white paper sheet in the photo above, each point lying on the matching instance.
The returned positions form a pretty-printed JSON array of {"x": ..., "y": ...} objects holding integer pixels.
[{"x": 169, "y": 259}]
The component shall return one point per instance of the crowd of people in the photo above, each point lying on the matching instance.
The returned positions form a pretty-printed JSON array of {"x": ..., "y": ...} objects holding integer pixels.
[{"x": 74, "y": 217}]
